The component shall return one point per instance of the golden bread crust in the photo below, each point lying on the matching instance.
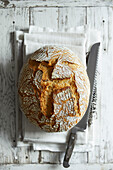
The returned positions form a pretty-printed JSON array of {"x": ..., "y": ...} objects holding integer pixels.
[{"x": 54, "y": 89}]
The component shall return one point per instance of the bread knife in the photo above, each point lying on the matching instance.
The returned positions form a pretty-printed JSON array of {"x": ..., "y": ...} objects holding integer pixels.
[{"x": 81, "y": 126}]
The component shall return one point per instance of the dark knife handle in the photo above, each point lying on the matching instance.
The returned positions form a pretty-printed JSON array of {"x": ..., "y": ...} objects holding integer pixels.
[{"x": 69, "y": 150}]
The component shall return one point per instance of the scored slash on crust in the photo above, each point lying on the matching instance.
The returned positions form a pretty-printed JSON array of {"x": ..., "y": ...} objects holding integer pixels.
[
  {"x": 54, "y": 89},
  {"x": 63, "y": 100}
]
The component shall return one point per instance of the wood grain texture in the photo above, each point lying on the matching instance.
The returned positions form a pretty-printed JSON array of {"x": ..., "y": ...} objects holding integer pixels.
[
  {"x": 76, "y": 158},
  {"x": 27, "y": 155},
  {"x": 71, "y": 17},
  {"x": 92, "y": 14},
  {"x": 9, "y": 18},
  {"x": 94, "y": 156},
  {"x": 55, "y": 3},
  {"x": 58, "y": 167},
  {"x": 7, "y": 109},
  {"x": 44, "y": 17},
  {"x": 50, "y": 157},
  {"x": 107, "y": 96},
  {"x": 105, "y": 113}
]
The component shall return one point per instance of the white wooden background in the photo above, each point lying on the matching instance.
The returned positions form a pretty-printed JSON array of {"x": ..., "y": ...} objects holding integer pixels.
[{"x": 59, "y": 15}]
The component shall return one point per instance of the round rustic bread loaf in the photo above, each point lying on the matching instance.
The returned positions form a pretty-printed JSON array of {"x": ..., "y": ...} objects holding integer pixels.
[{"x": 54, "y": 89}]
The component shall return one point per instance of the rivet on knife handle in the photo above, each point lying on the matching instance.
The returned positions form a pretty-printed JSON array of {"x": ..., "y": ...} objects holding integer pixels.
[{"x": 69, "y": 150}]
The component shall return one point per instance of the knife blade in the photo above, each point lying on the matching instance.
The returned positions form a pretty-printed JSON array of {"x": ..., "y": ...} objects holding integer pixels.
[{"x": 81, "y": 126}]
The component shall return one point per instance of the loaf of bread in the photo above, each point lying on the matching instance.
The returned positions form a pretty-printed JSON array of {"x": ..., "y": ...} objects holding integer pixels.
[{"x": 54, "y": 89}]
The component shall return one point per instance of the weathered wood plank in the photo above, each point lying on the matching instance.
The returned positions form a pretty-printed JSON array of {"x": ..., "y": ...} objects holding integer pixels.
[
  {"x": 92, "y": 15},
  {"x": 55, "y": 3},
  {"x": 95, "y": 19},
  {"x": 21, "y": 18},
  {"x": 23, "y": 155},
  {"x": 76, "y": 158},
  {"x": 44, "y": 17},
  {"x": 71, "y": 17},
  {"x": 7, "y": 112},
  {"x": 26, "y": 155},
  {"x": 101, "y": 18},
  {"x": 107, "y": 95},
  {"x": 34, "y": 156},
  {"x": 58, "y": 167},
  {"x": 11, "y": 19},
  {"x": 50, "y": 157},
  {"x": 94, "y": 156}
]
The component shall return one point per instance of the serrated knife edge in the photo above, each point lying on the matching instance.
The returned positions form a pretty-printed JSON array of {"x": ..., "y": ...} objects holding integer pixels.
[
  {"x": 91, "y": 71},
  {"x": 81, "y": 126}
]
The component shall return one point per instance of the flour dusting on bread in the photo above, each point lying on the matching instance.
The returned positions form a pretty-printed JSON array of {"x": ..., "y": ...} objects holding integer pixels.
[{"x": 54, "y": 89}]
